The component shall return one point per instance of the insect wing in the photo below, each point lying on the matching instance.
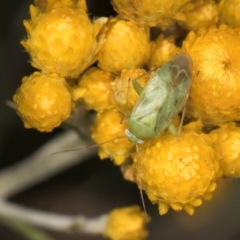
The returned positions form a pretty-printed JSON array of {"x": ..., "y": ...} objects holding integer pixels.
[
  {"x": 180, "y": 80},
  {"x": 144, "y": 116},
  {"x": 152, "y": 97}
]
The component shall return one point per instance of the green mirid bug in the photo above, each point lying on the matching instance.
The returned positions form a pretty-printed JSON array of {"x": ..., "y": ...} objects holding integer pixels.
[{"x": 161, "y": 100}]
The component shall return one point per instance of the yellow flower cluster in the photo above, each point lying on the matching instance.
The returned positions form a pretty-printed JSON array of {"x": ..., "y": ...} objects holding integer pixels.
[
  {"x": 62, "y": 44},
  {"x": 175, "y": 172}
]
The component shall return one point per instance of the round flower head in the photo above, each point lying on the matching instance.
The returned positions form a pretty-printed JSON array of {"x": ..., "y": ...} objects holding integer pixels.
[
  {"x": 125, "y": 45},
  {"x": 60, "y": 40},
  {"x": 227, "y": 142},
  {"x": 126, "y": 223},
  {"x": 43, "y": 101},
  {"x": 124, "y": 92},
  {"x": 94, "y": 89},
  {"x": 177, "y": 172},
  {"x": 229, "y": 12},
  {"x": 150, "y": 12},
  {"x": 204, "y": 14},
  {"x": 108, "y": 128},
  {"x": 162, "y": 51},
  {"x": 214, "y": 95}
]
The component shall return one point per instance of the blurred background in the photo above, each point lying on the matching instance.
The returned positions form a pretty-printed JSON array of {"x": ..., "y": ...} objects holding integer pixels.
[{"x": 93, "y": 187}]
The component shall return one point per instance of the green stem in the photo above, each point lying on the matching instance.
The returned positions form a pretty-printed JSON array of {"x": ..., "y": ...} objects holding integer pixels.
[{"x": 28, "y": 232}]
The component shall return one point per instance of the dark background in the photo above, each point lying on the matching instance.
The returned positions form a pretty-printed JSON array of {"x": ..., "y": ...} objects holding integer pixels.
[{"x": 93, "y": 187}]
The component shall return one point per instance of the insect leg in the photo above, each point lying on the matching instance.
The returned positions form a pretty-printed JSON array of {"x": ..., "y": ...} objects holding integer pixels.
[
  {"x": 140, "y": 184},
  {"x": 138, "y": 88},
  {"x": 181, "y": 122},
  {"x": 172, "y": 129}
]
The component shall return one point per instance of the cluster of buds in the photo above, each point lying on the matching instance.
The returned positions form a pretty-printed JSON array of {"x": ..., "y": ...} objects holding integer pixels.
[{"x": 175, "y": 172}]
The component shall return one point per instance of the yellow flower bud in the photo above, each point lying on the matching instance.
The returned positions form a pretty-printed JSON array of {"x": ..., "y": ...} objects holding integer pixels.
[
  {"x": 229, "y": 12},
  {"x": 94, "y": 89},
  {"x": 126, "y": 223},
  {"x": 227, "y": 144},
  {"x": 125, "y": 45},
  {"x": 108, "y": 127},
  {"x": 204, "y": 14},
  {"x": 150, "y": 12},
  {"x": 61, "y": 40},
  {"x": 43, "y": 101},
  {"x": 177, "y": 172},
  {"x": 214, "y": 95},
  {"x": 124, "y": 92},
  {"x": 162, "y": 50}
]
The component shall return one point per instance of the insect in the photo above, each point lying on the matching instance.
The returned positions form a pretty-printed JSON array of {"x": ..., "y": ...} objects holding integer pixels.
[{"x": 161, "y": 100}]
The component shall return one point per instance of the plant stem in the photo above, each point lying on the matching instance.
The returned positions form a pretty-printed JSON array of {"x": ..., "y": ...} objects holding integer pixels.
[
  {"x": 43, "y": 164},
  {"x": 51, "y": 221},
  {"x": 28, "y": 232}
]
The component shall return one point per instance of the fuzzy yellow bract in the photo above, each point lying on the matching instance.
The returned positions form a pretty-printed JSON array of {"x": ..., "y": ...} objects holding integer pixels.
[
  {"x": 150, "y": 12},
  {"x": 124, "y": 92},
  {"x": 125, "y": 45},
  {"x": 94, "y": 89},
  {"x": 126, "y": 223},
  {"x": 227, "y": 142},
  {"x": 229, "y": 12},
  {"x": 204, "y": 14},
  {"x": 177, "y": 172},
  {"x": 61, "y": 40},
  {"x": 162, "y": 50},
  {"x": 108, "y": 127},
  {"x": 214, "y": 95},
  {"x": 43, "y": 101}
]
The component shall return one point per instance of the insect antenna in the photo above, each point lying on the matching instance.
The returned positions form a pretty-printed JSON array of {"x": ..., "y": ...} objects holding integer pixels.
[{"x": 88, "y": 147}]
